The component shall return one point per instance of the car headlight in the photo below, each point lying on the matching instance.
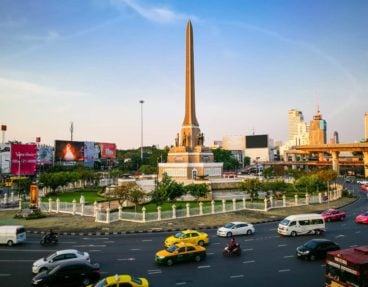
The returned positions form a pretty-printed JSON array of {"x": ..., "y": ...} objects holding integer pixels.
[{"x": 161, "y": 257}]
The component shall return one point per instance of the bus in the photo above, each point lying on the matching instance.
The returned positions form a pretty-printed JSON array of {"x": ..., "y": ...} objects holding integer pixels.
[{"x": 347, "y": 267}]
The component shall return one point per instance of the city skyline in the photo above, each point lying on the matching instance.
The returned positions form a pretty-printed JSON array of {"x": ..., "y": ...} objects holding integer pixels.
[{"x": 92, "y": 62}]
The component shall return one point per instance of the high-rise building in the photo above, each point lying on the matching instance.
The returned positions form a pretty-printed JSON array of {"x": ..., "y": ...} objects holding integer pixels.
[
  {"x": 295, "y": 117},
  {"x": 366, "y": 126},
  {"x": 317, "y": 130}
]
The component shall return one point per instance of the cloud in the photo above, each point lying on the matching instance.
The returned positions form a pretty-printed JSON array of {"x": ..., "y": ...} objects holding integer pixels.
[{"x": 156, "y": 14}]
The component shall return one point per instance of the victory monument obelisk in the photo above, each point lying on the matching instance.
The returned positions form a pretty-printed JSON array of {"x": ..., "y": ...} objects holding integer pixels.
[{"x": 189, "y": 158}]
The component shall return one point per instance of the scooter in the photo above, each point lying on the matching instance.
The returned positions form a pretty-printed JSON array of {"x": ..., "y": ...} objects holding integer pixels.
[
  {"x": 235, "y": 251},
  {"x": 49, "y": 239}
]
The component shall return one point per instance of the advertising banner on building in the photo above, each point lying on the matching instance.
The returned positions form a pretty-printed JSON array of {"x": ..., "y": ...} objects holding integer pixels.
[
  {"x": 44, "y": 154},
  {"x": 89, "y": 154},
  {"x": 69, "y": 151},
  {"x": 4, "y": 158},
  {"x": 23, "y": 159},
  {"x": 108, "y": 150}
]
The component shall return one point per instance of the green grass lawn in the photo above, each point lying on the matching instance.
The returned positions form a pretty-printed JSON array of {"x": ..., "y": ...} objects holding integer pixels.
[{"x": 90, "y": 196}]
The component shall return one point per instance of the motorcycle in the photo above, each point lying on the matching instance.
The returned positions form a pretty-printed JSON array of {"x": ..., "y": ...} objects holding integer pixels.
[
  {"x": 49, "y": 239},
  {"x": 231, "y": 252}
]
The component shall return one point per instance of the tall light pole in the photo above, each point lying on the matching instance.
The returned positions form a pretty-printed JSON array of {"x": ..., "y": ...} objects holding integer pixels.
[
  {"x": 19, "y": 155},
  {"x": 141, "y": 102}
]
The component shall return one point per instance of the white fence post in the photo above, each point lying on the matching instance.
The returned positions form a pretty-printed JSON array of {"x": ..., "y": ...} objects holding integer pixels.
[
  {"x": 20, "y": 203},
  {"x": 271, "y": 201},
  {"x": 213, "y": 207},
  {"x": 234, "y": 204},
  {"x": 12, "y": 196},
  {"x": 284, "y": 200},
  {"x": 143, "y": 214},
  {"x": 158, "y": 212},
  {"x": 95, "y": 209},
  {"x": 187, "y": 205},
  {"x": 39, "y": 203},
  {"x": 50, "y": 204},
  {"x": 107, "y": 215},
  {"x": 243, "y": 202},
  {"x": 223, "y": 205},
  {"x": 307, "y": 198},
  {"x": 319, "y": 197},
  {"x": 200, "y": 208},
  {"x": 82, "y": 208},
  {"x": 57, "y": 205},
  {"x": 74, "y": 202},
  {"x": 296, "y": 199},
  {"x": 265, "y": 204},
  {"x": 173, "y": 211},
  {"x": 120, "y": 212},
  {"x": 5, "y": 198}
]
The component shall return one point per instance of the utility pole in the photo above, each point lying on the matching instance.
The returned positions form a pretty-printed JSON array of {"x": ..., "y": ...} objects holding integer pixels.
[
  {"x": 71, "y": 131},
  {"x": 141, "y": 102}
]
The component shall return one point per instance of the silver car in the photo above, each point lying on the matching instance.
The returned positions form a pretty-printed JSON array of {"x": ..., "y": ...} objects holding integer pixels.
[
  {"x": 236, "y": 228},
  {"x": 57, "y": 258}
]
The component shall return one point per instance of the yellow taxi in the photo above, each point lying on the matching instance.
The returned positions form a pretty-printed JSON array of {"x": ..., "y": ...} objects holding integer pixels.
[
  {"x": 121, "y": 280},
  {"x": 188, "y": 236},
  {"x": 180, "y": 252}
]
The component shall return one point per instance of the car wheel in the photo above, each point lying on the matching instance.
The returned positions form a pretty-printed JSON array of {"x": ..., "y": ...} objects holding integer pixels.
[
  {"x": 317, "y": 232},
  {"x": 312, "y": 257},
  {"x": 86, "y": 282},
  {"x": 197, "y": 258},
  {"x": 229, "y": 234},
  {"x": 170, "y": 262},
  {"x": 201, "y": 242},
  {"x": 249, "y": 232},
  {"x": 10, "y": 243},
  {"x": 293, "y": 234}
]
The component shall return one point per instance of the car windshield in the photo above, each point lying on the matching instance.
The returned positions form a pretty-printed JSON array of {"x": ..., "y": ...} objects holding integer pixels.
[
  {"x": 310, "y": 244},
  {"x": 101, "y": 283},
  {"x": 136, "y": 280},
  {"x": 285, "y": 222},
  {"x": 229, "y": 225},
  {"x": 179, "y": 234},
  {"x": 48, "y": 258},
  {"x": 172, "y": 248}
]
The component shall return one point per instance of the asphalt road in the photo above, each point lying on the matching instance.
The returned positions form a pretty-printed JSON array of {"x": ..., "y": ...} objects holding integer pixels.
[{"x": 267, "y": 259}]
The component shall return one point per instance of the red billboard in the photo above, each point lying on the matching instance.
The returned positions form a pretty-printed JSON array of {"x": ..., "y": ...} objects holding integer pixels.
[
  {"x": 23, "y": 159},
  {"x": 108, "y": 150},
  {"x": 69, "y": 151}
]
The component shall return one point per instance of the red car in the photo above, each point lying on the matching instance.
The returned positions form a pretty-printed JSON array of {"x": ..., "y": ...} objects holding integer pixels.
[
  {"x": 362, "y": 218},
  {"x": 333, "y": 215},
  {"x": 364, "y": 187}
]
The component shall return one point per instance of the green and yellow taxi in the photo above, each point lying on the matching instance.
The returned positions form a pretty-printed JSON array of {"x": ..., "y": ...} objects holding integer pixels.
[
  {"x": 180, "y": 252},
  {"x": 187, "y": 236},
  {"x": 121, "y": 280}
]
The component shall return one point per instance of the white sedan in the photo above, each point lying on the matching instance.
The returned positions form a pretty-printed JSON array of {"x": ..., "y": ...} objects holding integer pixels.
[
  {"x": 54, "y": 259},
  {"x": 236, "y": 228}
]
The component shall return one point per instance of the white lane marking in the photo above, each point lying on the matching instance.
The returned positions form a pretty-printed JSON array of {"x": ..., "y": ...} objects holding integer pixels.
[
  {"x": 95, "y": 238},
  {"x": 249, "y": 261},
  {"x": 216, "y": 243},
  {"x": 20, "y": 260},
  {"x": 245, "y": 240},
  {"x": 4, "y": 275},
  {"x": 90, "y": 245},
  {"x": 272, "y": 229},
  {"x": 111, "y": 241},
  {"x": 284, "y": 270},
  {"x": 340, "y": 235},
  {"x": 94, "y": 250},
  {"x": 147, "y": 240},
  {"x": 281, "y": 245},
  {"x": 236, "y": 276},
  {"x": 248, "y": 249},
  {"x": 158, "y": 271},
  {"x": 210, "y": 253},
  {"x": 135, "y": 249},
  {"x": 126, "y": 259},
  {"x": 357, "y": 232},
  {"x": 289, "y": 256},
  {"x": 180, "y": 283},
  {"x": 26, "y": 250},
  {"x": 204, "y": 266}
]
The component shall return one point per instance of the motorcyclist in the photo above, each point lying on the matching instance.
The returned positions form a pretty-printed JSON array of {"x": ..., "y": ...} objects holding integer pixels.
[
  {"x": 232, "y": 244},
  {"x": 51, "y": 235}
]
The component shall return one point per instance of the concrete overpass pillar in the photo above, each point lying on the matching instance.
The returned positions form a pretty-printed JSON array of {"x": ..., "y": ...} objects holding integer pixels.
[
  {"x": 335, "y": 161},
  {"x": 365, "y": 161}
]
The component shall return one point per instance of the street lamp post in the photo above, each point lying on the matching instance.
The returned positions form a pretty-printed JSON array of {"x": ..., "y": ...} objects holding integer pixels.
[
  {"x": 141, "y": 102},
  {"x": 19, "y": 174}
]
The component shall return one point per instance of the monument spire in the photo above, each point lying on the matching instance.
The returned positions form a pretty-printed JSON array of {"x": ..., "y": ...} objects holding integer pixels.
[{"x": 190, "y": 118}]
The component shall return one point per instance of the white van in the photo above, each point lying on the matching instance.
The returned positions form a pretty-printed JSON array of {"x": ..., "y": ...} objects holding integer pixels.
[
  {"x": 310, "y": 223},
  {"x": 12, "y": 234}
]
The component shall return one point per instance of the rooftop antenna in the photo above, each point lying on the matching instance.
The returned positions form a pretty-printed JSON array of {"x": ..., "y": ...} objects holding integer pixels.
[{"x": 71, "y": 130}]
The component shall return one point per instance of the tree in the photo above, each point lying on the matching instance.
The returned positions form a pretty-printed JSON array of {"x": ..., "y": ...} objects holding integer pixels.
[
  {"x": 122, "y": 192},
  {"x": 251, "y": 187},
  {"x": 197, "y": 190},
  {"x": 136, "y": 195},
  {"x": 167, "y": 189},
  {"x": 54, "y": 180},
  {"x": 225, "y": 156}
]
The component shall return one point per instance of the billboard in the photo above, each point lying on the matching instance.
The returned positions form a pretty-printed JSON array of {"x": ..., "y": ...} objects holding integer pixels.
[
  {"x": 89, "y": 154},
  {"x": 5, "y": 158},
  {"x": 256, "y": 141},
  {"x": 108, "y": 150},
  {"x": 69, "y": 151},
  {"x": 44, "y": 154},
  {"x": 23, "y": 159}
]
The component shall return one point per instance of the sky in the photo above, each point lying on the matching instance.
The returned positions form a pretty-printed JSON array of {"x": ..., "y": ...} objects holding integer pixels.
[{"x": 92, "y": 62}]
